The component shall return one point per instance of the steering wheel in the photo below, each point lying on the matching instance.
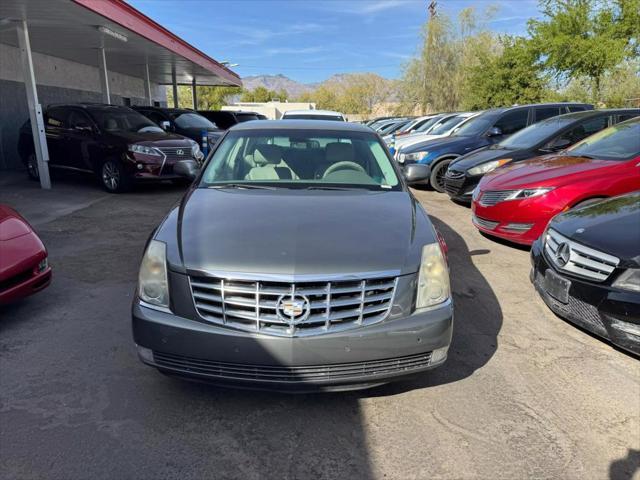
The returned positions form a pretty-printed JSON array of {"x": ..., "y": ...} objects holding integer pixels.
[{"x": 346, "y": 165}]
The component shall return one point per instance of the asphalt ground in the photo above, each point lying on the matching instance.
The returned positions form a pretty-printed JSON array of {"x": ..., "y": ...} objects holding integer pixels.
[{"x": 523, "y": 394}]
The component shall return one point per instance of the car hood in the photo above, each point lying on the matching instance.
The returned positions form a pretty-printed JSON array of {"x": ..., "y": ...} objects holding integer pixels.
[
  {"x": 152, "y": 138},
  {"x": 484, "y": 155},
  {"x": 296, "y": 232},
  {"x": 611, "y": 226},
  {"x": 438, "y": 144},
  {"x": 414, "y": 139},
  {"x": 540, "y": 171}
]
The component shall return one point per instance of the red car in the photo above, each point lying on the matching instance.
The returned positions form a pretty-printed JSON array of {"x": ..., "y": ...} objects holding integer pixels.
[
  {"x": 517, "y": 201},
  {"x": 23, "y": 258}
]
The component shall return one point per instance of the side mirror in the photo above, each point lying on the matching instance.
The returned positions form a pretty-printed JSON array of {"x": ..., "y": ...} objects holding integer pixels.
[
  {"x": 557, "y": 145},
  {"x": 165, "y": 125},
  {"x": 86, "y": 129},
  {"x": 494, "y": 132},
  {"x": 416, "y": 172},
  {"x": 186, "y": 168}
]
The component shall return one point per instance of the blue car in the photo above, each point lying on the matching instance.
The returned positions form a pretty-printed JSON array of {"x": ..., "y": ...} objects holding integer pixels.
[{"x": 489, "y": 127}]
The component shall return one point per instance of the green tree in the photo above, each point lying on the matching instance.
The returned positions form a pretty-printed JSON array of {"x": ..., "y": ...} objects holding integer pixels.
[
  {"x": 585, "y": 38},
  {"x": 505, "y": 78},
  {"x": 263, "y": 94}
]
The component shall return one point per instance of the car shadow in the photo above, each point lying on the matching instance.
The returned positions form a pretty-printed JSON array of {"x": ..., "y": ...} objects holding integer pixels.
[
  {"x": 477, "y": 320},
  {"x": 625, "y": 468}
]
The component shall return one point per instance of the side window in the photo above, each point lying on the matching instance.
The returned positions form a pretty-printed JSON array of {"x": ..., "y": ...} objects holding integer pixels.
[
  {"x": 546, "y": 112},
  {"x": 576, "y": 108},
  {"x": 56, "y": 117},
  {"x": 626, "y": 116},
  {"x": 155, "y": 117},
  {"x": 78, "y": 119},
  {"x": 579, "y": 132},
  {"x": 513, "y": 121}
]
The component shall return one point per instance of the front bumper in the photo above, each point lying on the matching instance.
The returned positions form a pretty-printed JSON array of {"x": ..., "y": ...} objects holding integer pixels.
[
  {"x": 518, "y": 221},
  {"x": 461, "y": 189},
  {"x": 357, "y": 358},
  {"x": 25, "y": 287},
  {"x": 599, "y": 308}
]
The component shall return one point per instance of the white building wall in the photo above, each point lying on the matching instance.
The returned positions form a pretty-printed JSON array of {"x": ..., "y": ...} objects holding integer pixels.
[{"x": 58, "y": 72}]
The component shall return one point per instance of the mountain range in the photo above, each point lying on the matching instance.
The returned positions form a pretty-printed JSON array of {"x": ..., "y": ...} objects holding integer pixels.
[{"x": 277, "y": 83}]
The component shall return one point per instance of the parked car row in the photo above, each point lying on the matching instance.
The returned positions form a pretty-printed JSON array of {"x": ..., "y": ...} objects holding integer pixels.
[
  {"x": 547, "y": 185},
  {"x": 122, "y": 146}
]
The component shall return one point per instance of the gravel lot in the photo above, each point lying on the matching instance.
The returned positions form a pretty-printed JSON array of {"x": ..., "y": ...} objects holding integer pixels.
[{"x": 524, "y": 394}]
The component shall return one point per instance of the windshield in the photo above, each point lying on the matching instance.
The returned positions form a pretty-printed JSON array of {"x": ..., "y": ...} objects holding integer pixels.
[
  {"x": 392, "y": 128},
  {"x": 311, "y": 116},
  {"x": 192, "y": 120},
  {"x": 246, "y": 117},
  {"x": 123, "y": 121},
  {"x": 536, "y": 133},
  {"x": 428, "y": 124},
  {"x": 620, "y": 142},
  {"x": 444, "y": 127},
  {"x": 301, "y": 158},
  {"x": 476, "y": 126}
]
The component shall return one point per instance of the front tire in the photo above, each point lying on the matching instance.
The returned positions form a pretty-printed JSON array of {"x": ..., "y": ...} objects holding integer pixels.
[
  {"x": 437, "y": 175},
  {"x": 113, "y": 177},
  {"x": 32, "y": 168}
]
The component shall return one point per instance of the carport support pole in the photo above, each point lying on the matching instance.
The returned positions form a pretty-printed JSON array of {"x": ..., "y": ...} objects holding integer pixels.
[
  {"x": 174, "y": 84},
  {"x": 194, "y": 93},
  {"x": 147, "y": 84},
  {"x": 35, "y": 110},
  {"x": 104, "y": 75}
]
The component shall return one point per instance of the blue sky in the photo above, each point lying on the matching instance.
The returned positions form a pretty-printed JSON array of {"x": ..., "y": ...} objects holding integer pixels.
[{"x": 310, "y": 40}]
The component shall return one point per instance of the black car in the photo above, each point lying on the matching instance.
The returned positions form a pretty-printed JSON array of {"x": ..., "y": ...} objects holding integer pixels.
[
  {"x": 586, "y": 267},
  {"x": 489, "y": 127},
  {"x": 226, "y": 119},
  {"x": 184, "y": 122},
  {"x": 548, "y": 136},
  {"x": 117, "y": 144}
]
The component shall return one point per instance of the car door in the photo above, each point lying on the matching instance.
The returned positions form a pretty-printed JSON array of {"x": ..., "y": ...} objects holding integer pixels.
[
  {"x": 55, "y": 120},
  {"x": 80, "y": 139}
]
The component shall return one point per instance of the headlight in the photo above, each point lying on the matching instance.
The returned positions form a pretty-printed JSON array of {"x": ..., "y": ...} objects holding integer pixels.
[
  {"x": 488, "y": 167},
  {"x": 433, "y": 279},
  {"x": 143, "y": 149},
  {"x": 629, "y": 280},
  {"x": 415, "y": 157},
  {"x": 528, "y": 193},
  {"x": 195, "y": 152},
  {"x": 153, "y": 286}
]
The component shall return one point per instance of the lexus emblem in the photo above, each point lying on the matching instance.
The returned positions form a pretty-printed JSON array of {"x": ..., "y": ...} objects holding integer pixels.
[
  {"x": 563, "y": 254},
  {"x": 179, "y": 152},
  {"x": 293, "y": 309}
]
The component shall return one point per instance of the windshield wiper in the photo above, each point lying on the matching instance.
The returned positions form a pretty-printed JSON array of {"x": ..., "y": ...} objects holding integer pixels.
[
  {"x": 589, "y": 157},
  {"x": 248, "y": 186},
  {"x": 328, "y": 187}
]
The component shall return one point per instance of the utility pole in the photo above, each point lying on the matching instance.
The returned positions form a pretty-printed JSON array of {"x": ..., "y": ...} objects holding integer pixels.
[{"x": 433, "y": 4}]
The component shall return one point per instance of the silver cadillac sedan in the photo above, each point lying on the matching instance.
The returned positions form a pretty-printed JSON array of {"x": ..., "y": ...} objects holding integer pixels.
[{"x": 297, "y": 260}]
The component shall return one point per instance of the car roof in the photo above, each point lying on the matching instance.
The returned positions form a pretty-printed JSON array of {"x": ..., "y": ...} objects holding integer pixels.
[
  {"x": 87, "y": 105},
  {"x": 312, "y": 112},
  {"x": 257, "y": 125}
]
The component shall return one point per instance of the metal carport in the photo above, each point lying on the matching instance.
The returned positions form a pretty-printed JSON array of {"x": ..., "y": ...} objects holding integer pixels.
[{"x": 109, "y": 35}]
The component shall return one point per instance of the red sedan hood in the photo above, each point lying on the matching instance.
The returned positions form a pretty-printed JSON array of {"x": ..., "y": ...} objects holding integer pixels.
[{"x": 540, "y": 172}]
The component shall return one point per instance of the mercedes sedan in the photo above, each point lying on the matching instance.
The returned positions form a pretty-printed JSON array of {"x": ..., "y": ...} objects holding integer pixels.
[{"x": 297, "y": 260}]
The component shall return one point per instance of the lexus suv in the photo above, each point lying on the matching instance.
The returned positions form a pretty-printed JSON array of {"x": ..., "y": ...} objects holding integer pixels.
[
  {"x": 586, "y": 267},
  {"x": 297, "y": 260},
  {"x": 116, "y": 144}
]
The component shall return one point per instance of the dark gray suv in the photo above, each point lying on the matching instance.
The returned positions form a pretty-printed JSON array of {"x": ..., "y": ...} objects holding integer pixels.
[{"x": 298, "y": 260}]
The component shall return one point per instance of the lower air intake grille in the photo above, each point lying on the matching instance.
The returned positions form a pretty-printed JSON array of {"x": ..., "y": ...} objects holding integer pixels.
[
  {"x": 311, "y": 373},
  {"x": 484, "y": 223}
]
